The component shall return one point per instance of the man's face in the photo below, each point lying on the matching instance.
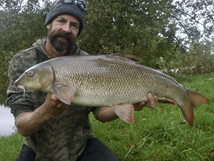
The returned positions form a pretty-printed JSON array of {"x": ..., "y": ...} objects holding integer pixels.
[{"x": 63, "y": 32}]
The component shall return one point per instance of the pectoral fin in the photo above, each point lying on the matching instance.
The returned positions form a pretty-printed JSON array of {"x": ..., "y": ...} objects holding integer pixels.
[
  {"x": 125, "y": 112},
  {"x": 64, "y": 93}
]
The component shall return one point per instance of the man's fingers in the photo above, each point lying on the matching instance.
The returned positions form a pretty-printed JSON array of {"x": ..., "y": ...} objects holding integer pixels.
[
  {"x": 55, "y": 101},
  {"x": 152, "y": 100},
  {"x": 61, "y": 105},
  {"x": 156, "y": 99},
  {"x": 142, "y": 103},
  {"x": 139, "y": 106},
  {"x": 52, "y": 97}
]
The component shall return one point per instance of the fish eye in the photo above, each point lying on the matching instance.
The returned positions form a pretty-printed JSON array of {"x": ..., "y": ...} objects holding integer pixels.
[{"x": 30, "y": 73}]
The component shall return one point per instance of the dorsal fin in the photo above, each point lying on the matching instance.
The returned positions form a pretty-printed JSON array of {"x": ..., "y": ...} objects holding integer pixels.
[{"x": 127, "y": 56}]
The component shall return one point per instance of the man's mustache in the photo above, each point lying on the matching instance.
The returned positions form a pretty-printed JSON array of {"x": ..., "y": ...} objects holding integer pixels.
[{"x": 64, "y": 35}]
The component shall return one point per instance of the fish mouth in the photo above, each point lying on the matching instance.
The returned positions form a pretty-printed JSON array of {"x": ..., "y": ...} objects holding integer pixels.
[{"x": 21, "y": 87}]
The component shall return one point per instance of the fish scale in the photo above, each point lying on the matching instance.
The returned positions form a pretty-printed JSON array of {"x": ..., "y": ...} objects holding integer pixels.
[{"x": 116, "y": 80}]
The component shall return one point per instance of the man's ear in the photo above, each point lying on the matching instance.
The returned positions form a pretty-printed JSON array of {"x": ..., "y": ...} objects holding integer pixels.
[{"x": 48, "y": 26}]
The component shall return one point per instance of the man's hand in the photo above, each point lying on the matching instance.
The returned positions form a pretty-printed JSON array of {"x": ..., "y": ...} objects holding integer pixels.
[
  {"x": 151, "y": 103},
  {"x": 30, "y": 122},
  {"x": 52, "y": 106}
]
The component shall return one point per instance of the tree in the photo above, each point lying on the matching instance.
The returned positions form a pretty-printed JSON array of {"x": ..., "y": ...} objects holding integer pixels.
[
  {"x": 20, "y": 25},
  {"x": 132, "y": 27},
  {"x": 194, "y": 18}
]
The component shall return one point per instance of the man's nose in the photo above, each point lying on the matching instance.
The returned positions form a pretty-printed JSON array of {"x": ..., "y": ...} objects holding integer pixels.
[{"x": 66, "y": 27}]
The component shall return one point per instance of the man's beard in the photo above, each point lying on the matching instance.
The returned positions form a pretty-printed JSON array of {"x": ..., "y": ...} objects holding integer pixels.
[{"x": 58, "y": 44}]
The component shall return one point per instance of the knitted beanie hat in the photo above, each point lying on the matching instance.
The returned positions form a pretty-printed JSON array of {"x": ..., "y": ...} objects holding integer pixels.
[{"x": 76, "y": 8}]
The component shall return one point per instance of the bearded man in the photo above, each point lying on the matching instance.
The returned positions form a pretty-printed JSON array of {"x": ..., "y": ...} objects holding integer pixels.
[{"x": 52, "y": 130}]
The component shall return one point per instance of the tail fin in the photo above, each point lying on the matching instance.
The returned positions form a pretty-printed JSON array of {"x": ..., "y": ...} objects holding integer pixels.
[{"x": 194, "y": 99}]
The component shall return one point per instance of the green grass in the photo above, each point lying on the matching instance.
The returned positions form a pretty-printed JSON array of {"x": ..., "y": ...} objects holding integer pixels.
[
  {"x": 157, "y": 134},
  {"x": 10, "y": 147},
  {"x": 160, "y": 135}
]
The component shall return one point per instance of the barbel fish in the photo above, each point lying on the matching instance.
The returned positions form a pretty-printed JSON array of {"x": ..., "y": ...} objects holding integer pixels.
[{"x": 116, "y": 80}]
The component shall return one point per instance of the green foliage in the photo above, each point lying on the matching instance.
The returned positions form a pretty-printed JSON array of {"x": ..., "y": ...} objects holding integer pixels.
[
  {"x": 127, "y": 26},
  {"x": 21, "y": 25},
  {"x": 5, "y": 57}
]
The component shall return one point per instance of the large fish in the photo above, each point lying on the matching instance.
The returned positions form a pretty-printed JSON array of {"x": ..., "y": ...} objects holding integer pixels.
[{"x": 116, "y": 80}]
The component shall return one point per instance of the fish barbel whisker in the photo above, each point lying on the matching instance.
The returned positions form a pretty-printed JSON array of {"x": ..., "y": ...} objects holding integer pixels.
[{"x": 22, "y": 87}]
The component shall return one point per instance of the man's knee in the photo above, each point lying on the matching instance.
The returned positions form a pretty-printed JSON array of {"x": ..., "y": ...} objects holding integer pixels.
[
  {"x": 96, "y": 150},
  {"x": 26, "y": 154}
]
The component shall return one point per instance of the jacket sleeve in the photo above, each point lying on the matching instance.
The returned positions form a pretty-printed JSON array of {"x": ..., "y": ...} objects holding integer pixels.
[{"x": 16, "y": 101}]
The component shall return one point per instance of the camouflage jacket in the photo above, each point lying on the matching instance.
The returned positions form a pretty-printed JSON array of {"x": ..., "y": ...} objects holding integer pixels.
[{"x": 63, "y": 137}]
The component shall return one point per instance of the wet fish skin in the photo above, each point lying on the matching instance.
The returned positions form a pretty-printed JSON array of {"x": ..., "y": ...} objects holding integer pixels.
[{"x": 116, "y": 80}]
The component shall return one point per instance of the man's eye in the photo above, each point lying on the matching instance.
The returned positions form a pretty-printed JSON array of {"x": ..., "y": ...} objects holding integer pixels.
[{"x": 75, "y": 26}]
